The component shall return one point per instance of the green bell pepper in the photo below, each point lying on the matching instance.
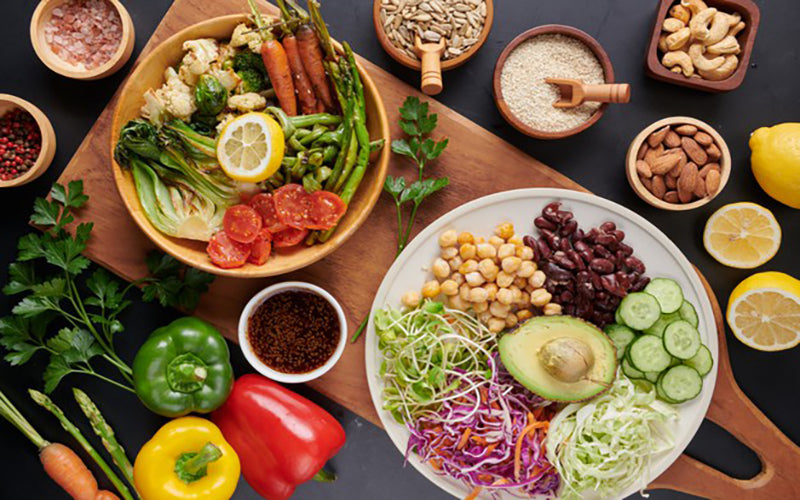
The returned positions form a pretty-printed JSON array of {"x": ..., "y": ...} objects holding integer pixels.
[{"x": 183, "y": 367}]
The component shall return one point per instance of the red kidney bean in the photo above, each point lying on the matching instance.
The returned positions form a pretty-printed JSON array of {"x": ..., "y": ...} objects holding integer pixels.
[
  {"x": 640, "y": 283},
  {"x": 635, "y": 264},
  {"x": 620, "y": 235},
  {"x": 576, "y": 258},
  {"x": 626, "y": 249},
  {"x": 543, "y": 223},
  {"x": 565, "y": 245},
  {"x": 605, "y": 239},
  {"x": 608, "y": 226},
  {"x": 601, "y": 251},
  {"x": 580, "y": 246},
  {"x": 579, "y": 235},
  {"x": 569, "y": 228},
  {"x": 562, "y": 260},
  {"x": 603, "y": 266}
]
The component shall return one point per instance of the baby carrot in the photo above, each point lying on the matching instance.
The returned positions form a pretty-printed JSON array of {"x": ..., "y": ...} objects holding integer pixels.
[
  {"x": 67, "y": 469},
  {"x": 311, "y": 55},
  {"x": 105, "y": 495},
  {"x": 305, "y": 94}
]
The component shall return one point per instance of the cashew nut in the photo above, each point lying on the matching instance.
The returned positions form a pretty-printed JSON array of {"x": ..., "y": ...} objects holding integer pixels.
[
  {"x": 680, "y": 13},
  {"x": 722, "y": 72},
  {"x": 672, "y": 25},
  {"x": 737, "y": 28},
  {"x": 728, "y": 45},
  {"x": 719, "y": 28},
  {"x": 662, "y": 43},
  {"x": 681, "y": 59},
  {"x": 699, "y": 60},
  {"x": 733, "y": 19},
  {"x": 678, "y": 40},
  {"x": 695, "y": 6},
  {"x": 700, "y": 24}
]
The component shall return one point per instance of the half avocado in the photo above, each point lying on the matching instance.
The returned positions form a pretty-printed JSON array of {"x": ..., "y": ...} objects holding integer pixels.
[{"x": 560, "y": 358}]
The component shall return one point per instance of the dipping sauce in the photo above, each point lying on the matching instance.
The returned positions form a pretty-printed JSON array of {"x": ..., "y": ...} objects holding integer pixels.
[
  {"x": 294, "y": 331},
  {"x": 84, "y": 33}
]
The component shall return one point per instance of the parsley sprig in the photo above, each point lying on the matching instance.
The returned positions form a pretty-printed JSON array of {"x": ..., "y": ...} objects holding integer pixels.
[
  {"x": 71, "y": 317},
  {"x": 418, "y": 124}
]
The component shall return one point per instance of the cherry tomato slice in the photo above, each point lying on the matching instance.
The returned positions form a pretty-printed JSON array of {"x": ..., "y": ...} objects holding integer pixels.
[
  {"x": 289, "y": 237},
  {"x": 264, "y": 204},
  {"x": 325, "y": 210},
  {"x": 227, "y": 253},
  {"x": 261, "y": 248},
  {"x": 242, "y": 223},
  {"x": 291, "y": 205}
]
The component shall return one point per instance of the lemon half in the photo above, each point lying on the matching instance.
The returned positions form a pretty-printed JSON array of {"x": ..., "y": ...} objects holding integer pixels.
[
  {"x": 250, "y": 147},
  {"x": 764, "y": 311},
  {"x": 742, "y": 235}
]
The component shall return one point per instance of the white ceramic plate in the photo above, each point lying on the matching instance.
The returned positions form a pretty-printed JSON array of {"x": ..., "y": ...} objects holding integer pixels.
[{"x": 480, "y": 217}]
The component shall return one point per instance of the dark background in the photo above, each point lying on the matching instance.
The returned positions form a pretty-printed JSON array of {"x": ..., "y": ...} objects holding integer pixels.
[{"x": 369, "y": 467}]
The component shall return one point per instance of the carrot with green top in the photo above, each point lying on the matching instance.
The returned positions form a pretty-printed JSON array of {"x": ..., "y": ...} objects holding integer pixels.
[{"x": 277, "y": 64}]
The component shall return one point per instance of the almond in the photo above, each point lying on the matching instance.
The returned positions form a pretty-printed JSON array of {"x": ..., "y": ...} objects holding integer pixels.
[
  {"x": 642, "y": 151},
  {"x": 713, "y": 179},
  {"x": 686, "y": 130},
  {"x": 647, "y": 183},
  {"x": 686, "y": 182},
  {"x": 671, "y": 182},
  {"x": 672, "y": 140},
  {"x": 657, "y": 137},
  {"x": 713, "y": 152},
  {"x": 707, "y": 168},
  {"x": 703, "y": 139},
  {"x": 653, "y": 153},
  {"x": 671, "y": 197},
  {"x": 659, "y": 188},
  {"x": 699, "y": 187},
  {"x": 664, "y": 163},
  {"x": 644, "y": 169},
  {"x": 693, "y": 150}
]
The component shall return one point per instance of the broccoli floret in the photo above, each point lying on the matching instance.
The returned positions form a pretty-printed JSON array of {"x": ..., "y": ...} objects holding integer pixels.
[
  {"x": 247, "y": 60},
  {"x": 252, "y": 81}
]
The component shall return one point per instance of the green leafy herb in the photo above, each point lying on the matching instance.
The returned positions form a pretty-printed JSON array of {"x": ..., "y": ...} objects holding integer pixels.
[{"x": 71, "y": 317}]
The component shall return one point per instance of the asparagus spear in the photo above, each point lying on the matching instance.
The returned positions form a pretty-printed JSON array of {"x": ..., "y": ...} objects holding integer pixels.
[
  {"x": 68, "y": 426},
  {"x": 106, "y": 433}
]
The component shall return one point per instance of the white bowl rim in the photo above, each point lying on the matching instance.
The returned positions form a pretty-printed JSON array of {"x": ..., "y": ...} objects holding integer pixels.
[{"x": 260, "y": 366}]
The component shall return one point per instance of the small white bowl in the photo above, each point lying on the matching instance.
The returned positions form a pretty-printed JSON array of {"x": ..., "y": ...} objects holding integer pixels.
[{"x": 290, "y": 378}]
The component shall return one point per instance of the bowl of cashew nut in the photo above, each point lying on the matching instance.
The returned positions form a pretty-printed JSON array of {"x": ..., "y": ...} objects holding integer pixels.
[{"x": 703, "y": 44}]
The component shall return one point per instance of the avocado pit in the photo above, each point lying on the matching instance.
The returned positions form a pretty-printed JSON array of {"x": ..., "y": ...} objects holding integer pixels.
[{"x": 566, "y": 358}]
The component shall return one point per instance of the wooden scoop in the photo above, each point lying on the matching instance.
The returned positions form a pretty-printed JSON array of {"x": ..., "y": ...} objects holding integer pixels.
[
  {"x": 430, "y": 55},
  {"x": 575, "y": 92}
]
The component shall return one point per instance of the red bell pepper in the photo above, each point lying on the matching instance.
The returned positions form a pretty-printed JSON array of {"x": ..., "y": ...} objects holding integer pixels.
[{"x": 282, "y": 438}]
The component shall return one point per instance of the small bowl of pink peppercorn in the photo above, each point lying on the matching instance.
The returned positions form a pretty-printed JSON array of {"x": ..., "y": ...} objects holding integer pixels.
[{"x": 27, "y": 141}]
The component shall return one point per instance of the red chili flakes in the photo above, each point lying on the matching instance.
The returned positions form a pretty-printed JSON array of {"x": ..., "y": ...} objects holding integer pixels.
[
  {"x": 84, "y": 33},
  {"x": 294, "y": 331},
  {"x": 20, "y": 143}
]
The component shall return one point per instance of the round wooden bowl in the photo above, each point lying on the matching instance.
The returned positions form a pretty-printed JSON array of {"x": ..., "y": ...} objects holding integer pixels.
[
  {"x": 549, "y": 29},
  {"x": 9, "y": 102},
  {"x": 633, "y": 150},
  {"x": 149, "y": 74},
  {"x": 40, "y": 18},
  {"x": 414, "y": 63}
]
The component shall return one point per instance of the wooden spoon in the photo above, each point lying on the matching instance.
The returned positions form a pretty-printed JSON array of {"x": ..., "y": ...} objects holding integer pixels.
[
  {"x": 430, "y": 55},
  {"x": 575, "y": 92}
]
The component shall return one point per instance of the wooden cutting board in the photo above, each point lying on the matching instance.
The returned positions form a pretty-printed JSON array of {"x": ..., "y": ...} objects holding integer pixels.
[{"x": 354, "y": 272}]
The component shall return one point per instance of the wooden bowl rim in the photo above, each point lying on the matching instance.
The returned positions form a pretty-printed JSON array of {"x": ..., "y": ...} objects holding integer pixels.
[
  {"x": 108, "y": 68},
  {"x": 416, "y": 64},
  {"x": 725, "y": 163},
  {"x": 166, "y": 243},
  {"x": 547, "y": 29},
  {"x": 48, "y": 149},
  {"x": 655, "y": 69}
]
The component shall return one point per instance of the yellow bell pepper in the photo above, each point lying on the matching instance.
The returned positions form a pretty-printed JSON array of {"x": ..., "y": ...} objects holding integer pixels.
[{"x": 187, "y": 459}]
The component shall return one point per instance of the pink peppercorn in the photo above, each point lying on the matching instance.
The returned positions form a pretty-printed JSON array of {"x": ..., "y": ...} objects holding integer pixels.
[{"x": 20, "y": 143}]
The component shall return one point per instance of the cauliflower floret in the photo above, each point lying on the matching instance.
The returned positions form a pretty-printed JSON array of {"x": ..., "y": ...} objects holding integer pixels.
[
  {"x": 244, "y": 35},
  {"x": 154, "y": 109},
  {"x": 247, "y": 102},
  {"x": 226, "y": 51},
  {"x": 199, "y": 56},
  {"x": 224, "y": 119},
  {"x": 178, "y": 98},
  {"x": 227, "y": 77}
]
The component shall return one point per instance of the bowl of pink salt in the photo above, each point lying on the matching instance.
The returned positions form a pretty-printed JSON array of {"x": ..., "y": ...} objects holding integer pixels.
[{"x": 82, "y": 39}]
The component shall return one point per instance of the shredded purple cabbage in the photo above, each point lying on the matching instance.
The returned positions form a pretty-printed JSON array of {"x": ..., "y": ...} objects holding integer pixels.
[{"x": 494, "y": 425}]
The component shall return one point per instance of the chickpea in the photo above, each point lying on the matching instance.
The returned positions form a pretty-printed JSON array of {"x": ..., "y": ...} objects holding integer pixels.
[
  {"x": 478, "y": 294},
  {"x": 515, "y": 240},
  {"x": 552, "y": 309},
  {"x": 504, "y": 280},
  {"x": 467, "y": 251},
  {"x": 496, "y": 325},
  {"x": 480, "y": 307},
  {"x": 488, "y": 269},
  {"x": 449, "y": 253},
  {"x": 441, "y": 269},
  {"x": 410, "y": 299},
  {"x": 456, "y": 303},
  {"x": 463, "y": 292},
  {"x": 469, "y": 266},
  {"x": 455, "y": 263},
  {"x": 505, "y": 250},
  {"x": 526, "y": 269},
  {"x": 540, "y": 297},
  {"x": 458, "y": 278},
  {"x": 485, "y": 316},
  {"x": 537, "y": 279},
  {"x": 465, "y": 237},
  {"x": 474, "y": 279},
  {"x": 448, "y": 238},
  {"x": 511, "y": 264},
  {"x": 486, "y": 251},
  {"x": 520, "y": 282},
  {"x": 449, "y": 287},
  {"x": 505, "y": 296},
  {"x": 431, "y": 289},
  {"x": 499, "y": 310},
  {"x": 479, "y": 240},
  {"x": 496, "y": 241},
  {"x": 505, "y": 230},
  {"x": 524, "y": 299},
  {"x": 511, "y": 320},
  {"x": 491, "y": 289},
  {"x": 524, "y": 314},
  {"x": 516, "y": 293},
  {"x": 524, "y": 252}
]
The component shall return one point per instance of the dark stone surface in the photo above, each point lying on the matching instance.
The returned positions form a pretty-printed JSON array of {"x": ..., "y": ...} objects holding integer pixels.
[{"x": 369, "y": 467}]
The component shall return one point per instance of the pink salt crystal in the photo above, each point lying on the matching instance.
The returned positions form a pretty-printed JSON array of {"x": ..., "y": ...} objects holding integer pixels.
[{"x": 84, "y": 32}]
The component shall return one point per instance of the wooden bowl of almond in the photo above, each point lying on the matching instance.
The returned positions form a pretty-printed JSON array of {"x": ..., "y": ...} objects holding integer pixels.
[{"x": 678, "y": 163}]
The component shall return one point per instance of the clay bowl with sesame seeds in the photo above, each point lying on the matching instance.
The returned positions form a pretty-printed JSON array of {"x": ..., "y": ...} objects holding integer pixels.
[
  {"x": 48, "y": 146},
  {"x": 505, "y": 105}
]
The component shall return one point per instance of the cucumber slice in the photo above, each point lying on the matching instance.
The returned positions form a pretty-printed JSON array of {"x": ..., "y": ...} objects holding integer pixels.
[
  {"x": 631, "y": 372},
  {"x": 660, "y": 392},
  {"x": 618, "y": 318},
  {"x": 647, "y": 354},
  {"x": 652, "y": 376},
  {"x": 681, "y": 383},
  {"x": 681, "y": 339},
  {"x": 668, "y": 293},
  {"x": 621, "y": 336},
  {"x": 702, "y": 361},
  {"x": 661, "y": 324},
  {"x": 639, "y": 310},
  {"x": 688, "y": 312}
]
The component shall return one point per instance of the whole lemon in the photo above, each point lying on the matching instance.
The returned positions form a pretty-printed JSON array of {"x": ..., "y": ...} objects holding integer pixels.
[{"x": 776, "y": 161}]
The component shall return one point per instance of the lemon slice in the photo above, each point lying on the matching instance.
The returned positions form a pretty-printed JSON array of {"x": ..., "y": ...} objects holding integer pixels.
[
  {"x": 742, "y": 235},
  {"x": 764, "y": 311},
  {"x": 250, "y": 147}
]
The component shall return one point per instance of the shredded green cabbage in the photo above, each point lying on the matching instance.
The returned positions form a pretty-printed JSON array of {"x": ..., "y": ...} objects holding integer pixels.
[{"x": 605, "y": 445}]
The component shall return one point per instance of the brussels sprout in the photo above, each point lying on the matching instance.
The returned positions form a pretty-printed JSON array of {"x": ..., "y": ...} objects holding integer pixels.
[{"x": 211, "y": 97}]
